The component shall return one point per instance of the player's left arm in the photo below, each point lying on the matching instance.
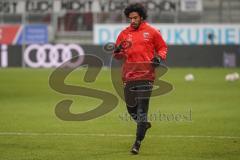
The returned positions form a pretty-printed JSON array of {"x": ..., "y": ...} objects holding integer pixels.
[{"x": 160, "y": 45}]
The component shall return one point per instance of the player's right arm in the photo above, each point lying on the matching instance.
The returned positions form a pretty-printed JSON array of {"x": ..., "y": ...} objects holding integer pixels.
[{"x": 118, "y": 52}]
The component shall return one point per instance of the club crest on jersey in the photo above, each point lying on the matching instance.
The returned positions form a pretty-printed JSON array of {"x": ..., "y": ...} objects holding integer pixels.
[
  {"x": 146, "y": 35},
  {"x": 129, "y": 38}
]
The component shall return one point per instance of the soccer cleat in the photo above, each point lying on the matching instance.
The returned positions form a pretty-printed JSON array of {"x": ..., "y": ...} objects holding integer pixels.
[
  {"x": 136, "y": 147},
  {"x": 137, "y": 144}
]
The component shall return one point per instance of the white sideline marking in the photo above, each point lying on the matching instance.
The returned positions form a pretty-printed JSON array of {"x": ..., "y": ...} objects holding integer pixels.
[{"x": 111, "y": 135}]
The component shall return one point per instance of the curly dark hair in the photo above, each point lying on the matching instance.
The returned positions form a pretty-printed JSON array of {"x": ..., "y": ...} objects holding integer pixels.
[{"x": 136, "y": 7}]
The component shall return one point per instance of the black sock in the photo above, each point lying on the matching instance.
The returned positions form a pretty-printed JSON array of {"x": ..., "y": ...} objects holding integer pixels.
[{"x": 141, "y": 131}]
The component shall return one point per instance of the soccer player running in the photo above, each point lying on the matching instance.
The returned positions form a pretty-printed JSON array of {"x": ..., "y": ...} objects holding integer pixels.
[{"x": 145, "y": 52}]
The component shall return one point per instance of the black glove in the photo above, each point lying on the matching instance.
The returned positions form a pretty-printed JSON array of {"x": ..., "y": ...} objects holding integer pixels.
[
  {"x": 156, "y": 61},
  {"x": 118, "y": 49}
]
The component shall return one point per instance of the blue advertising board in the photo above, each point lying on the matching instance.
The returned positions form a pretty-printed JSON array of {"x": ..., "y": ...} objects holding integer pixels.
[
  {"x": 33, "y": 34},
  {"x": 178, "y": 34}
]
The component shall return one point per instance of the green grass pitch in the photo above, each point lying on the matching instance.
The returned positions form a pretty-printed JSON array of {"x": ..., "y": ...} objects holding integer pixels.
[{"x": 30, "y": 130}]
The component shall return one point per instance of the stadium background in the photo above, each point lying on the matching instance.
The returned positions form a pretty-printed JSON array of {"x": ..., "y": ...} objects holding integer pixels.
[{"x": 36, "y": 36}]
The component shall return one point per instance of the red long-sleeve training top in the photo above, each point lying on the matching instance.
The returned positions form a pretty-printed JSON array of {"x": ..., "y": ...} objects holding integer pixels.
[{"x": 146, "y": 42}]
